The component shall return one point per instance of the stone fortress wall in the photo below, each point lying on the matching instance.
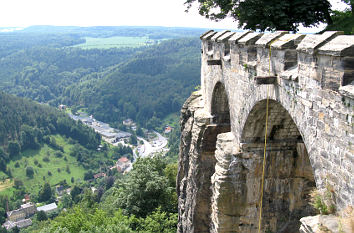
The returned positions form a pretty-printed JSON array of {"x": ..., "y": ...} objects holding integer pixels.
[{"x": 309, "y": 81}]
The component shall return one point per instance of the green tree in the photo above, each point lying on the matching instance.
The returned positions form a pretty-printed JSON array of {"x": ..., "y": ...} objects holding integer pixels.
[
  {"x": 145, "y": 189},
  {"x": 41, "y": 216},
  {"x": 3, "y": 154},
  {"x": 75, "y": 192},
  {"x": 343, "y": 20},
  {"x": 158, "y": 221},
  {"x": 45, "y": 193},
  {"x": 66, "y": 201},
  {"x": 133, "y": 140},
  {"x": 140, "y": 132},
  {"x": 2, "y": 215},
  {"x": 29, "y": 172},
  {"x": 267, "y": 14},
  {"x": 18, "y": 183},
  {"x": 171, "y": 173},
  {"x": 14, "y": 148}
]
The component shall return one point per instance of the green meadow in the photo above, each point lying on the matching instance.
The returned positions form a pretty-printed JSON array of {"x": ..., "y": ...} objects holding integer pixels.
[
  {"x": 114, "y": 42},
  {"x": 52, "y": 171}
]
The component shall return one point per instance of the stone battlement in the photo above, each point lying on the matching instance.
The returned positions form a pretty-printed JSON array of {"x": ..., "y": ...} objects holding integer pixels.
[{"x": 327, "y": 58}]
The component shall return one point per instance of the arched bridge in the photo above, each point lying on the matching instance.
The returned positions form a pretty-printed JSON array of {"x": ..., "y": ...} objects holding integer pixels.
[{"x": 308, "y": 82}]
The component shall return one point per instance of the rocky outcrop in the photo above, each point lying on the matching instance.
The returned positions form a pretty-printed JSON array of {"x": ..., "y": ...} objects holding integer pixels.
[
  {"x": 326, "y": 224},
  {"x": 190, "y": 176},
  {"x": 219, "y": 180}
]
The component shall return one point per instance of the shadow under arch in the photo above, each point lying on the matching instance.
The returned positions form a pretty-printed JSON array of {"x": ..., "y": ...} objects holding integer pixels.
[
  {"x": 288, "y": 173},
  {"x": 220, "y": 123}
]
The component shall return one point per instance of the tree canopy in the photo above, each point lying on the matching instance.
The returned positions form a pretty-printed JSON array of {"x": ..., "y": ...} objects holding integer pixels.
[{"x": 267, "y": 14}]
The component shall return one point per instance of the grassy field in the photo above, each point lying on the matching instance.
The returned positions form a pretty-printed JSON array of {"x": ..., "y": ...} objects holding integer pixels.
[
  {"x": 172, "y": 120},
  {"x": 7, "y": 183},
  {"x": 114, "y": 42},
  {"x": 56, "y": 166}
]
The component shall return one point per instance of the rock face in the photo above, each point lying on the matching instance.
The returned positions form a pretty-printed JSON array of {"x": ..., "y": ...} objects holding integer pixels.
[{"x": 307, "y": 125}]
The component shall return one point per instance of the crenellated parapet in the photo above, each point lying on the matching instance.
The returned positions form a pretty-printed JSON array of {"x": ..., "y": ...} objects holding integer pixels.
[{"x": 327, "y": 58}]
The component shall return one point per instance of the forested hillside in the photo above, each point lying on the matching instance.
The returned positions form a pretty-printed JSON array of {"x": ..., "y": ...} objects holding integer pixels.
[
  {"x": 145, "y": 83},
  {"x": 146, "y": 88},
  {"x": 28, "y": 123}
]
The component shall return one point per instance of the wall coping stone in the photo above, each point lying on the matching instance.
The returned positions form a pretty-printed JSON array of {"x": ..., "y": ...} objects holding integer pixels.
[
  {"x": 312, "y": 42},
  {"x": 342, "y": 45},
  {"x": 238, "y": 35},
  {"x": 288, "y": 41},
  {"x": 268, "y": 38},
  {"x": 250, "y": 38},
  {"x": 225, "y": 37},
  {"x": 208, "y": 35},
  {"x": 218, "y": 34}
]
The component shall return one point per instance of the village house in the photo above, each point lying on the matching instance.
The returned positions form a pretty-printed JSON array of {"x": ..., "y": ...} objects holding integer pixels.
[
  {"x": 25, "y": 211},
  {"x": 122, "y": 164},
  {"x": 26, "y": 198},
  {"x": 59, "y": 189},
  {"x": 99, "y": 175},
  {"x": 8, "y": 225},
  {"x": 128, "y": 122},
  {"x": 62, "y": 107},
  {"x": 19, "y": 218},
  {"x": 168, "y": 129}
]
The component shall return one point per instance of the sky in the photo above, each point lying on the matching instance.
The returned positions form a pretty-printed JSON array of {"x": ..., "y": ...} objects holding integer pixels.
[{"x": 171, "y": 13}]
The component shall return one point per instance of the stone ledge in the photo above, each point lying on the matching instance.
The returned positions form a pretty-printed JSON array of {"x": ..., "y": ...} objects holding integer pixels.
[{"x": 347, "y": 91}]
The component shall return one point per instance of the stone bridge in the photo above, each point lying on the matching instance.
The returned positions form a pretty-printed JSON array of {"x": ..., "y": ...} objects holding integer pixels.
[{"x": 308, "y": 82}]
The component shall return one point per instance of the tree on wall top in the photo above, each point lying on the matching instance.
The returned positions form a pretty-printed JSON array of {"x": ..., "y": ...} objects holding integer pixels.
[{"x": 267, "y": 14}]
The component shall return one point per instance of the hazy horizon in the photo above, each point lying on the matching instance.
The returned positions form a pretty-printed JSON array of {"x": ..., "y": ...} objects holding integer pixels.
[{"x": 87, "y": 13}]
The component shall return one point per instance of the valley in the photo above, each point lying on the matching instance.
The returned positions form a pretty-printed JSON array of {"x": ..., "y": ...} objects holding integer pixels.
[{"x": 119, "y": 91}]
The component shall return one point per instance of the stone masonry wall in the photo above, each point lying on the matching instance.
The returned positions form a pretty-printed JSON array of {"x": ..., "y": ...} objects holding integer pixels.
[{"x": 311, "y": 130}]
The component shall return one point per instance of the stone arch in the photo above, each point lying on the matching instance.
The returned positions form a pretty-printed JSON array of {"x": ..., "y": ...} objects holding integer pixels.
[
  {"x": 220, "y": 123},
  {"x": 288, "y": 175}
]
